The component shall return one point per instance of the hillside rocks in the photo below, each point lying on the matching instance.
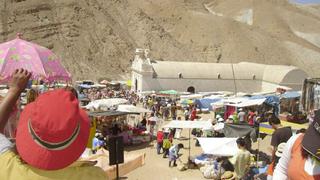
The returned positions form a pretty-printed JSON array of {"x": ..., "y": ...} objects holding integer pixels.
[{"x": 97, "y": 39}]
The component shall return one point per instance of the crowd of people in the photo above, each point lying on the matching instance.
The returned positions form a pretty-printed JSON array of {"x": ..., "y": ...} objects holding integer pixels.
[
  {"x": 104, "y": 93},
  {"x": 242, "y": 116},
  {"x": 165, "y": 142}
]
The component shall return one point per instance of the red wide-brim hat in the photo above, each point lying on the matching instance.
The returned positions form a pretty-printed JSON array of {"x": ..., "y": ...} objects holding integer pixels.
[{"x": 53, "y": 131}]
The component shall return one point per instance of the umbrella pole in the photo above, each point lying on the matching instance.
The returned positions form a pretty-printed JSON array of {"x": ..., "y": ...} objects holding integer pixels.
[
  {"x": 189, "y": 145},
  {"x": 258, "y": 147}
]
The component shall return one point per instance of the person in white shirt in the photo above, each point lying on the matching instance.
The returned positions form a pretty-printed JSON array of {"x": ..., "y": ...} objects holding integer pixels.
[
  {"x": 301, "y": 156},
  {"x": 241, "y": 116}
]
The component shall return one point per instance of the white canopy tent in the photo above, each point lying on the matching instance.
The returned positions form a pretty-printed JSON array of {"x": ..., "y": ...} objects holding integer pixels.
[
  {"x": 99, "y": 86},
  {"x": 132, "y": 109},
  {"x": 238, "y": 102},
  {"x": 219, "y": 146},
  {"x": 145, "y": 93},
  {"x": 248, "y": 102},
  {"x": 189, "y": 125},
  {"x": 105, "y": 103},
  {"x": 191, "y": 96}
]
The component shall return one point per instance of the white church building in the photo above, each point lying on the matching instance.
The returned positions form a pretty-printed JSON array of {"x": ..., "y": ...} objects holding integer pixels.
[{"x": 148, "y": 75}]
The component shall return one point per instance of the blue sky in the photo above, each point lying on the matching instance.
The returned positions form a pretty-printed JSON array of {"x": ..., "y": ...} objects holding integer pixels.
[{"x": 307, "y": 1}]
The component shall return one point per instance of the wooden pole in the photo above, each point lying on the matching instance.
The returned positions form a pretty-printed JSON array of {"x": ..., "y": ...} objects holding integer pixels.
[
  {"x": 189, "y": 144},
  {"x": 234, "y": 80}
]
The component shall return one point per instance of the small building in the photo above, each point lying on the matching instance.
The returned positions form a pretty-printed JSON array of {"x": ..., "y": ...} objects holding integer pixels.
[{"x": 245, "y": 77}]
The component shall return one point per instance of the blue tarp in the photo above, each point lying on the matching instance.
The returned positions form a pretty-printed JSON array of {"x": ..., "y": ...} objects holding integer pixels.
[
  {"x": 85, "y": 86},
  {"x": 274, "y": 101},
  {"x": 290, "y": 95},
  {"x": 205, "y": 103},
  {"x": 257, "y": 97}
]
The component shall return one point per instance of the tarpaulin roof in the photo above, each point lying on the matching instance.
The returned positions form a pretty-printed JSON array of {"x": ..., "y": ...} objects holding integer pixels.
[
  {"x": 191, "y": 96},
  {"x": 132, "y": 108},
  {"x": 188, "y": 124},
  {"x": 219, "y": 146},
  {"x": 108, "y": 113},
  {"x": 170, "y": 92},
  {"x": 240, "y": 130},
  {"x": 186, "y": 101},
  {"x": 206, "y": 102},
  {"x": 291, "y": 94},
  {"x": 106, "y": 103},
  {"x": 86, "y": 86},
  {"x": 272, "y": 100},
  {"x": 249, "y": 102}
]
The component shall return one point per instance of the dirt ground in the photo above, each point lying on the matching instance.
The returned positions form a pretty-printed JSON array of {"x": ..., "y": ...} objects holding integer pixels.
[{"x": 157, "y": 168}]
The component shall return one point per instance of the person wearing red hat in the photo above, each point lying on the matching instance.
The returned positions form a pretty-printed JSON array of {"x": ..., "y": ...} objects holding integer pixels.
[{"x": 51, "y": 135}]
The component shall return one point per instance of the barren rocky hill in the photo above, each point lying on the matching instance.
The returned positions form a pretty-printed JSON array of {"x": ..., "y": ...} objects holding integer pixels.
[{"x": 97, "y": 38}]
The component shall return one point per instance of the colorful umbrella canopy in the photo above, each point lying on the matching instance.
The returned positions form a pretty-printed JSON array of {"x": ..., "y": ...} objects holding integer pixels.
[
  {"x": 186, "y": 101},
  {"x": 42, "y": 62},
  {"x": 170, "y": 92}
]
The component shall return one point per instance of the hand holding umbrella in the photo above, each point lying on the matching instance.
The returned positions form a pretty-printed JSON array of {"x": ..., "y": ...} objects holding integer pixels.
[
  {"x": 42, "y": 62},
  {"x": 19, "y": 80}
]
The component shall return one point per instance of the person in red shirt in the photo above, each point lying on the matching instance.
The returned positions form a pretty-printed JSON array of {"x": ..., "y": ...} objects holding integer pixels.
[
  {"x": 193, "y": 114},
  {"x": 251, "y": 118},
  {"x": 160, "y": 136}
]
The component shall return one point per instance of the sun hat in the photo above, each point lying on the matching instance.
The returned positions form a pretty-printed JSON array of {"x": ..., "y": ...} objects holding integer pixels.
[
  {"x": 230, "y": 117},
  {"x": 53, "y": 131},
  {"x": 98, "y": 134},
  {"x": 220, "y": 120},
  {"x": 310, "y": 140},
  {"x": 280, "y": 149},
  {"x": 218, "y": 116},
  {"x": 167, "y": 130},
  {"x": 228, "y": 175}
]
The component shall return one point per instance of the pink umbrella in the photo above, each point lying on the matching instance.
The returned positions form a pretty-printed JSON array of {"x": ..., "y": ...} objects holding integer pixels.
[{"x": 39, "y": 60}]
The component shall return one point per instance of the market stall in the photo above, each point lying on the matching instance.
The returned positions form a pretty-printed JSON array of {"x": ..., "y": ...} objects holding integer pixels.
[
  {"x": 108, "y": 122},
  {"x": 215, "y": 147},
  {"x": 289, "y": 107}
]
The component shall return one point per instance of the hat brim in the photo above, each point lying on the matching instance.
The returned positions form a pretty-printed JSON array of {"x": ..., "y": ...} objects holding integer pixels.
[
  {"x": 42, "y": 158},
  {"x": 309, "y": 143},
  {"x": 231, "y": 177},
  {"x": 278, "y": 154}
]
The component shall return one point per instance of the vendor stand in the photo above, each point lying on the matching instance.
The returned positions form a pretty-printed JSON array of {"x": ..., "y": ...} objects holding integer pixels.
[
  {"x": 137, "y": 116},
  {"x": 106, "y": 120},
  {"x": 289, "y": 107}
]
